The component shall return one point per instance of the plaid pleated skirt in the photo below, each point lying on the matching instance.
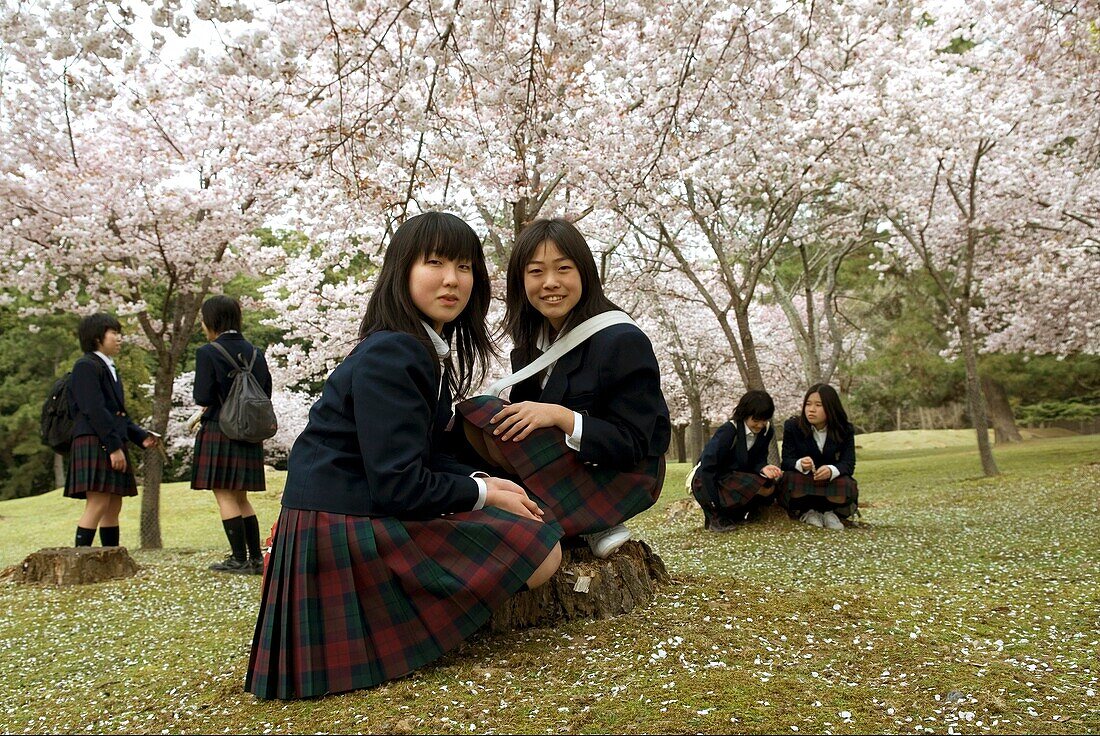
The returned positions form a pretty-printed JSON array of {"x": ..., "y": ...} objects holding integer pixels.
[
  {"x": 842, "y": 491},
  {"x": 736, "y": 490},
  {"x": 90, "y": 470},
  {"x": 224, "y": 464},
  {"x": 351, "y": 601},
  {"x": 581, "y": 498}
]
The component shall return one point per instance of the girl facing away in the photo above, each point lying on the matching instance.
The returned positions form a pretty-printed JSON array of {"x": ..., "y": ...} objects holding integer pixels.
[
  {"x": 819, "y": 458},
  {"x": 100, "y": 470},
  {"x": 229, "y": 468},
  {"x": 388, "y": 553},
  {"x": 587, "y": 435},
  {"x": 737, "y": 470}
]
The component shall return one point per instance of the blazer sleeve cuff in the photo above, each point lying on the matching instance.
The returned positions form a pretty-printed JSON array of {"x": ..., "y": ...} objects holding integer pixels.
[{"x": 482, "y": 490}]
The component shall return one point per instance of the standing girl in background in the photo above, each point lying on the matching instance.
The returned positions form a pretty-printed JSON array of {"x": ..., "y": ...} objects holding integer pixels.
[
  {"x": 100, "y": 471},
  {"x": 600, "y": 458},
  {"x": 229, "y": 468},
  {"x": 819, "y": 457},
  {"x": 736, "y": 473},
  {"x": 387, "y": 553}
]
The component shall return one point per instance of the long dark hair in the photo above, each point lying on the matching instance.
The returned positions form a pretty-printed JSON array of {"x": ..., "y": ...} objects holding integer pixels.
[
  {"x": 522, "y": 322},
  {"x": 391, "y": 306},
  {"x": 836, "y": 419}
]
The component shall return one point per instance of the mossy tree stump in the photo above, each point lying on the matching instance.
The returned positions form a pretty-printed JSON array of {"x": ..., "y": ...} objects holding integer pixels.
[
  {"x": 587, "y": 587},
  {"x": 75, "y": 566}
]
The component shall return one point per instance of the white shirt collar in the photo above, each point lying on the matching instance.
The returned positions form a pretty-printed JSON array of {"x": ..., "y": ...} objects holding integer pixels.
[
  {"x": 110, "y": 363},
  {"x": 750, "y": 433},
  {"x": 442, "y": 349},
  {"x": 820, "y": 432}
]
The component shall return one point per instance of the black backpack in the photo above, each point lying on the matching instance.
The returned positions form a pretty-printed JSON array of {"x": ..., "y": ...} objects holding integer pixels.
[
  {"x": 56, "y": 427},
  {"x": 247, "y": 414}
]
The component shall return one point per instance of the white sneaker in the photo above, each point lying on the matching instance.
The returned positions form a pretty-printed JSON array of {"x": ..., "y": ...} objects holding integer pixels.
[
  {"x": 813, "y": 518},
  {"x": 831, "y": 521},
  {"x": 604, "y": 543}
]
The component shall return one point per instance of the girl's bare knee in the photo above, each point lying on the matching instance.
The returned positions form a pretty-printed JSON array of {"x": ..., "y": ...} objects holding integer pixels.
[{"x": 547, "y": 569}]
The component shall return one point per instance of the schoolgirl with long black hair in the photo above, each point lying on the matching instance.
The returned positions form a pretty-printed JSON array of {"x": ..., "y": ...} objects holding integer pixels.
[
  {"x": 388, "y": 553},
  {"x": 818, "y": 460}
]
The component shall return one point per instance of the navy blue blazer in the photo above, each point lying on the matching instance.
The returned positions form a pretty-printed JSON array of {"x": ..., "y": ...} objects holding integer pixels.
[
  {"x": 612, "y": 378},
  {"x": 372, "y": 443},
  {"x": 98, "y": 406},
  {"x": 212, "y": 379},
  {"x": 797, "y": 445},
  {"x": 728, "y": 451}
]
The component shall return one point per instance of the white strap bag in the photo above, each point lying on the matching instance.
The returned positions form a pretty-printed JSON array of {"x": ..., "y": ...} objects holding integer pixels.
[{"x": 568, "y": 341}]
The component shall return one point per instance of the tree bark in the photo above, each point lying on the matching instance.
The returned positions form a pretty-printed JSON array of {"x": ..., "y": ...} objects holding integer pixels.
[
  {"x": 1000, "y": 412},
  {"x": 154, "y": 460},
  {"x": 695, "y": 438},
  {"x": 587, "y": 587},
  {"x": 58, "y": 470},
  {"x": 975, "y": 402},
  {"x": 679, "y": 432},
  {"x": 75, "y": 566}
]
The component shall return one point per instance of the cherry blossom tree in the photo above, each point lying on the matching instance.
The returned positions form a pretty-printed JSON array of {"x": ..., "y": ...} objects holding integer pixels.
[
  {"x": 738, "y": 118},
  {"x": 975, "y": 114},
  {"x": 132, "y": 182}
]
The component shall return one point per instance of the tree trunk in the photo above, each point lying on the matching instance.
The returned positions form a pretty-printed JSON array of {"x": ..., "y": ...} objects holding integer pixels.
[
  {"x": 58, "y": 470},
  {"x": 753, "y": 378},
  {"x": 154, "y": 460},
  {"x": 75, "y": 566},
  {"x": 678, "y": 433},
  {"x": 587, "y": 587},
  {"x": 1000, "y": 412},
  {"x": 975, "y": 403},
  {"x": 695, "y": 438}
]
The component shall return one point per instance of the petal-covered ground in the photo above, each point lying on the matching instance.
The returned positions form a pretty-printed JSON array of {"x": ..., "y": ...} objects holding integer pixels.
[{"x": 960, "y": 605}]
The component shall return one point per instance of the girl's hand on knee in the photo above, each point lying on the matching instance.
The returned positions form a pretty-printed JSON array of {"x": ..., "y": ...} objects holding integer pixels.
[
  {"x": 512, "y": 502},
  {"x": 772, "y": 472},
  {"x": 823, "y": 473},
  {"x": 118, "y": 460},
  {"x": 517, "y": 421}
]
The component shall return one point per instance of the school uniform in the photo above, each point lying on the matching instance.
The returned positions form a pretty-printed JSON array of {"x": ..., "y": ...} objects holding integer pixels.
[
  {"x": 100, "y": 426},
  {"x": 220, "y": 462},
  {"x": 612, "y": 467},
  {"x": 800, "y": 492},
  {"x": 384, "y": 557},
  {"x": 727, "y": 481}
]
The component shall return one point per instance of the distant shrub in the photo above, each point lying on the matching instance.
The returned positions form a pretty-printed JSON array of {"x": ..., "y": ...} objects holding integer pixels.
[{"x": 1053, "y": 411}]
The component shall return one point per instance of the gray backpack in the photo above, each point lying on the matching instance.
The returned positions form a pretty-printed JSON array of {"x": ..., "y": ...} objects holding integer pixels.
[{"x": 247, "y": 414}]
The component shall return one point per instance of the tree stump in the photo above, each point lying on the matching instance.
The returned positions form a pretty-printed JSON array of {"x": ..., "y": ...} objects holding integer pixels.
[
  {"x": 75, "y": 566},
  {"x": 587, "y": 587}
]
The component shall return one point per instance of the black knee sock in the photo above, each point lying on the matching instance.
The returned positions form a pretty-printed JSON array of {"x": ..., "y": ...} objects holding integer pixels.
[
  {"x": 252, "y": 536},
  {"x": 84, "y": 537},
  {"x": 108, "y": 536},
  {"x": 234, "y": 532}
]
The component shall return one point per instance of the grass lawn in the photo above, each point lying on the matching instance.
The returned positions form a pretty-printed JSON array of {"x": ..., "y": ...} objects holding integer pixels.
[{"x": 962, "y": 605}]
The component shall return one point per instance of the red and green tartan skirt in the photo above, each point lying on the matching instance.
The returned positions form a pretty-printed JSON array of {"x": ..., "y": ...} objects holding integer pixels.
[
  {"x": 841, "y": 492},
  {"x": 736, "y": 490},
  {"x": 349, "y": 602},
  {"x": 90, "y": 470},
  {"x": 581, "y": 498},
  {"x": 224, "y": 464}
]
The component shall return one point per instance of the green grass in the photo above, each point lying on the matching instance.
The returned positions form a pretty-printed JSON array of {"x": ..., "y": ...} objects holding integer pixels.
[{"x": 985, "y": 588}]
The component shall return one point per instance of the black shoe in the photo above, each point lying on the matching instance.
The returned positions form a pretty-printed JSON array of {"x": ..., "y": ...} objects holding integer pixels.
[
  {"x": 232, "y": 564},
  {"x": 256, "y": 567}
]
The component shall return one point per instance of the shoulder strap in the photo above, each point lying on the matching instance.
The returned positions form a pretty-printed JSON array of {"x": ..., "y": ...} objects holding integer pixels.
[
  {"x": 230, "y": 358},
  {"x": 568, "y": 341}
]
